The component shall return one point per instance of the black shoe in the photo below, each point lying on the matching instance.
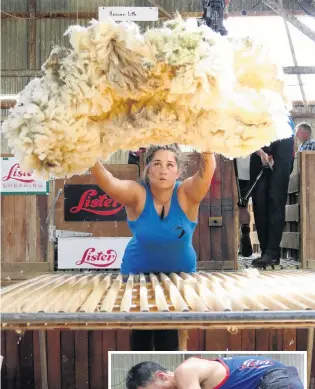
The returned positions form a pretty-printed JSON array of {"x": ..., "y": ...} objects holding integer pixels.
[
  {"x": 246, "y": 249},
  {"x": 266, "y": 260}
]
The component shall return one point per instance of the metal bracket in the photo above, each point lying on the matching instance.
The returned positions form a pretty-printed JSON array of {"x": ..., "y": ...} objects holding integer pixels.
[
  {"x": 215, "y": 221},
  {"x": 55, "y": 234}
]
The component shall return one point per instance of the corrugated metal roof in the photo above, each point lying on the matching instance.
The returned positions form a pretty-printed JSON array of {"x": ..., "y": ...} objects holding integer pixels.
[
  {"x": 14, "y": 44},
  {"x": 14, "y": 6}
]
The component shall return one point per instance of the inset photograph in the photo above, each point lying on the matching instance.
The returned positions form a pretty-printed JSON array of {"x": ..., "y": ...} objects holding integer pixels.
[{"x": 224, "y": 370}]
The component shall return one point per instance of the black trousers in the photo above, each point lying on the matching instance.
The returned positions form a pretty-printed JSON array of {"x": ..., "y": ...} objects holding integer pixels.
[
  {"x": 154, "y": 340},
  {"x": 286, "y": 378},
  {"x": 270, "y": 194}
]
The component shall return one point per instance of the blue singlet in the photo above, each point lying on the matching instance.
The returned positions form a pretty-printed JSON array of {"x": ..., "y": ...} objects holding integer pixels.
[{"x": 160, "y": 245}]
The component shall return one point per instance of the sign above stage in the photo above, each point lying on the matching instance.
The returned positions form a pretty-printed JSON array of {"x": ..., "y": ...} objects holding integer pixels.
[
  {"x": 91, "y": 253},
  {"x": 15, "y": 181},
  {"x": 134, "y": 14},
  {"x": 90, "y": 203}
]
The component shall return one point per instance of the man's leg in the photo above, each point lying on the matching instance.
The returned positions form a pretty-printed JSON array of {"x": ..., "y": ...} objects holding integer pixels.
[
  {"x": 260, "y": 198},
  {"x": 246, "y": 249},
  {"x": 277, "y": 197},
  {"x": 288, "y": 377}
]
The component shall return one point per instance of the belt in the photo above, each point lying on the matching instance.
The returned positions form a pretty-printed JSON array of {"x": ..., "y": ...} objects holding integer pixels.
[{"x": 277, "y": 374}]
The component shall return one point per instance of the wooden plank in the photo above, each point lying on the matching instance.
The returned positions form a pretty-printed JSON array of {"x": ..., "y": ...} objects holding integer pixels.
[
  {"x": 22, "y": 271},
  {"x": 193, "y": 340},
  {"x": 235, "y": 340},
  {"x": 12, "y": 360},
  {"x": 96, "y": 357},
  {"x": 7, "y": 229},
  {"x": 289, "y": 339},
  {"x": 216, "y": 210},
  {"x": 123, "y": 340},
  {"x": 109, "y": 344},
  {"x": 40, "y": 267},
  {"x": 215, "y": 265},
  {"x": 42, "y": 227},
  {"x": 262, "y": 339},
  {"x": 248, "y": 340},
  {"x": 276, "y": 340},
  {"x": 229, "y": 236},
  {"x": 26, "y": 360},
  {"x": 292, "y": 213},
  {"x": 307, "y": 185},
  {"x": 31, "y": 231},
  {"x": 67, "y": 359},
  {"x": 217, "y": 340},
  {"x": 81, "y": 340},
  {"x": 4, "y": 361},
  {"x": 36, "y": 358},
  {"x": 204, "y": 229},
  {"x": 310, "y": 263},
  {"x": 301, "y": 339},
  {"x": 53, "y": 358},
  {"x": 20, "y": 228}
]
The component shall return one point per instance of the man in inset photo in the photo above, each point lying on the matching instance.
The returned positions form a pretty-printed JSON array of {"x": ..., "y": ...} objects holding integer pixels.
[{"x": 237, "y": 372}]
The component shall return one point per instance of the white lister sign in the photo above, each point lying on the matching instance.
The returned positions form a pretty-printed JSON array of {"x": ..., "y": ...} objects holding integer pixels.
[
  {"x": 134, "y": 14},
  {"x": 91, "y": 253},
  {"x": 14, "y": 180}
]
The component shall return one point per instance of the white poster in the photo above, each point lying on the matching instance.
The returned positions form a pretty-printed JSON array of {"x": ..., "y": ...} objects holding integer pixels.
[
  {"x": 91, "y": 253},
  {"x": 14, "y": 180},
  {"x": 135, "y": 14}
]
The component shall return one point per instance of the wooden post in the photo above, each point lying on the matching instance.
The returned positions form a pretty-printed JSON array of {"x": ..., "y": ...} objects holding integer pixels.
[
  {"x": 182, "y": 340},
  {"x": 310, "y": 350},
  {"x": 43, "y": 358}
]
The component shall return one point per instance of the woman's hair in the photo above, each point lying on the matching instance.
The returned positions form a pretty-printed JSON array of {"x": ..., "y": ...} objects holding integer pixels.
[
  {"x": 142, "y": 374},
  {"x": 152, "y": 150}
]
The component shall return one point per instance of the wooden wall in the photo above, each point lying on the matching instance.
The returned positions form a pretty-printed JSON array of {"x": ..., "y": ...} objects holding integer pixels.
[{"x": 79, "y": 359}]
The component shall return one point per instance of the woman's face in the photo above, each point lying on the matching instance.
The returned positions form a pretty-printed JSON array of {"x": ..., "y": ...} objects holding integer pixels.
[{"x": 163, "y": 170}]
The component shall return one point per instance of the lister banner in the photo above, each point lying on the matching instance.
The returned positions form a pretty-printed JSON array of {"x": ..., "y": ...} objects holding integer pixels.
[
  {"x": 16, "y": 181},
  {"x": 90, "y": 203},
  {"x": 91, "y": 253}
]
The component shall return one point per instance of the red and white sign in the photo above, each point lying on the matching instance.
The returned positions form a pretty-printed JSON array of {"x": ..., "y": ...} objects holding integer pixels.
[
  {"x": 91, "y": 253},
  {"x": 14, "y": 180}
]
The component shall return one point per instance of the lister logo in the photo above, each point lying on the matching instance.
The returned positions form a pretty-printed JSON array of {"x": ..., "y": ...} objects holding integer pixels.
[
  {"x": 90, "y": 201},
  {"x": 15, "y": 173},
  {"x": 98, "y": 259},
  {"x": 256, "y": 364}
]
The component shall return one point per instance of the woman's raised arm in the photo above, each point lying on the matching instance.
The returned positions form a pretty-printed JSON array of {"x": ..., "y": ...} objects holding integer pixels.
[
  {"x": 126, "y": 192},
  {"x": 195, "y": 188}
]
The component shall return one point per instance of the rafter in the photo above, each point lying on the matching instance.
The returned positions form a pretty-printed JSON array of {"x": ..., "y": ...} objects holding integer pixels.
[{"x": 290, "y": 18}]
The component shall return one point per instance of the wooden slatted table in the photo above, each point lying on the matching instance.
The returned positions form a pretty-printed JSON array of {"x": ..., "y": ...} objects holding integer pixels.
[{"x": 229, "y": 300}]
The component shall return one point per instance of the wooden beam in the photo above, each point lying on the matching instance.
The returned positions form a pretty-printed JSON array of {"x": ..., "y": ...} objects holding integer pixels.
[
  {"x": 290, "y": 18},
  {"x": 161, "y": 9},
  {"x": 295, "y": 61},
  {"x": 31, "y": 42},
  {"x": 162, "y": 15},
  {"x": 299, "y": 69},
  {"x": 22, "y": 73},
  {"x": 39, "y": 73}
]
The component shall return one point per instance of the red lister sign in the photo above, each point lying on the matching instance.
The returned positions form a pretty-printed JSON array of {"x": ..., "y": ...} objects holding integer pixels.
[{"x": 90, "y": 203}]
